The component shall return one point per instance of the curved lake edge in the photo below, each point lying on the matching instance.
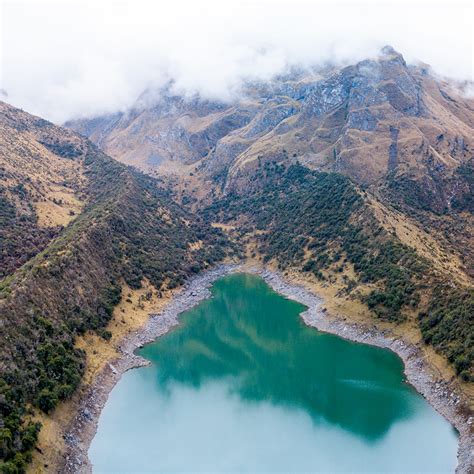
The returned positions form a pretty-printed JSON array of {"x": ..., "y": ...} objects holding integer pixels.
[{"x": 418, "y": 373}]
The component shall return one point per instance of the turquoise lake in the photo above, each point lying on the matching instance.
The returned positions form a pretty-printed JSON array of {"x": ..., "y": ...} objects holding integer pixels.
[{"x": 243, "y": 385}]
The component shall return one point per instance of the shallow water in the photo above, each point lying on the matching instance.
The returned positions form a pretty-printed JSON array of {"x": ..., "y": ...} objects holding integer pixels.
[{"x": 243, "y": 385}]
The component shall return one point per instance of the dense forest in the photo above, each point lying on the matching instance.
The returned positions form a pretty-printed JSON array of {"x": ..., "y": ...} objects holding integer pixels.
[{"x": 20, "y": 236}]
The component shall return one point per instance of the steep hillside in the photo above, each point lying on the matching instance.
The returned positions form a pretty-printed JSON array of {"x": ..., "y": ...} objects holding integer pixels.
[
  {"x": 326, "y": 227},
  {"x": 41, "y": 188},
  {"x": 379, "y": 121},
  {"x": 397, "y": 131},
  {"x": 75, "y": 225}
]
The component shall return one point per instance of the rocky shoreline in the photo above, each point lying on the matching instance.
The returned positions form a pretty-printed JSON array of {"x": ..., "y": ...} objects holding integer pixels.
[
  {"x": 418, "y": 373},
  {"x": 83, "y": 427}
]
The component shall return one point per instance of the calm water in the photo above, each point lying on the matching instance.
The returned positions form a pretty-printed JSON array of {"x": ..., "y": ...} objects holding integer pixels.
[{"x": 243, "y": 385}]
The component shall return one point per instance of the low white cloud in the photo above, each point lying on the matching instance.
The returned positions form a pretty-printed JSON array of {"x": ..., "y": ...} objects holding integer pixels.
[{"x": 69, "y": 59}]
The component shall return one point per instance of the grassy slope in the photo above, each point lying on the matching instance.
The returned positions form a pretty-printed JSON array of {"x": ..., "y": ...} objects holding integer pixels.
[{"x": 128, "y": 230}]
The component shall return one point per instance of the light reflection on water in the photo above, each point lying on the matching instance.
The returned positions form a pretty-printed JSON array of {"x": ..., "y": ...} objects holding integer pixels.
[{"x": 242, "y": 385}]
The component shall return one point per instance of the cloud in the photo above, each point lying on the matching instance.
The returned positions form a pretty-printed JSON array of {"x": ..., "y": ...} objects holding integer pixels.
[{"x": 69, "y": 59}]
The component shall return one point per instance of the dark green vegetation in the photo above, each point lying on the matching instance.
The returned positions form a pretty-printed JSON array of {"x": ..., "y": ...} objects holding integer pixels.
[
  {"x": 129, "y": 230},
  {"x": 59, "y": 283},
  {"x": 319, "y": 222},
  {"x": 20, "y": 236},
  {"x": 448, "y": 324},
  {"x": 465, "y": 175}
]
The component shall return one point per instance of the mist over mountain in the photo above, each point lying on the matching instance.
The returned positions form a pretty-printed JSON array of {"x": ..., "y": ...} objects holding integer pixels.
[
  {"x": 400, "y": 136},
  {"x": 98, "y": 57},
  {"x": 281, "y": 136},
  {"x": 379, "y": 121},
  {"x": 389, "y": 136}
]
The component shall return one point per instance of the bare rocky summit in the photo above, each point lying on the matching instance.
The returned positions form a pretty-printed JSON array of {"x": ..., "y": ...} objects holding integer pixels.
[{"x": 379, "y": 121}]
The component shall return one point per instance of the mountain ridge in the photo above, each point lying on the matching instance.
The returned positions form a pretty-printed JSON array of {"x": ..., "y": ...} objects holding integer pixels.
[
  {"x": 394, "y": 129},
  {"x": 401, "y": 136},
  {"x": 367, "y": 121},
  {"x": 360, "y": 179}
]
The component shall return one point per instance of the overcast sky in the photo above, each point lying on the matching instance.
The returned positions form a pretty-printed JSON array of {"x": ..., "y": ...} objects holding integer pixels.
[{"x": 68, "y": 59}]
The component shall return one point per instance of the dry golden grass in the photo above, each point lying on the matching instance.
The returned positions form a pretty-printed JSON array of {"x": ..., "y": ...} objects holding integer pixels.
[
  {"x": 410, "y": 234},
  {"x": 224, "y": 227},
  {"x": 196, "y": 245},
  {"x": 130, "y": 314},
  {"x": 52, "y": 183},
  {"x": 59, "y": 208},
  {"x": 51, "y": 443}
]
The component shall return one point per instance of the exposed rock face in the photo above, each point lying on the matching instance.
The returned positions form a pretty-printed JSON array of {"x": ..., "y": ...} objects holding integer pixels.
[{"x": 374, "y": 120}]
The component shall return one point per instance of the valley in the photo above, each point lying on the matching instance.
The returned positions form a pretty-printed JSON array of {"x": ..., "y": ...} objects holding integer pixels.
[{"x": 355, "y": 183}]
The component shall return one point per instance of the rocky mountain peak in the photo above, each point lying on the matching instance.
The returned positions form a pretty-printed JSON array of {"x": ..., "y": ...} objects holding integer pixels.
[
  {"x": 389, "y": 52},
  {"x": 375, "y": 120}
]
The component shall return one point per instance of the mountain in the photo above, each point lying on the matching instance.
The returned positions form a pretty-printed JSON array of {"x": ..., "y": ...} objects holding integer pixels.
[
  {"x": 380, "y": 121},
  {"x": 75, "y": 227},
  {"x": 359, "y": 177},
  {"x": 356, "y": 180}
]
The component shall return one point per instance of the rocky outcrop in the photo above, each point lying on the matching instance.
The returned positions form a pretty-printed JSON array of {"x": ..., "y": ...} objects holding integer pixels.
[{"x": 374, "y": 120}]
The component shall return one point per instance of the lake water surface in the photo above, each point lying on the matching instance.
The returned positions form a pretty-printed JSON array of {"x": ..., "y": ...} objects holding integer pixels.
[{"x": 242, "y": 385}]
